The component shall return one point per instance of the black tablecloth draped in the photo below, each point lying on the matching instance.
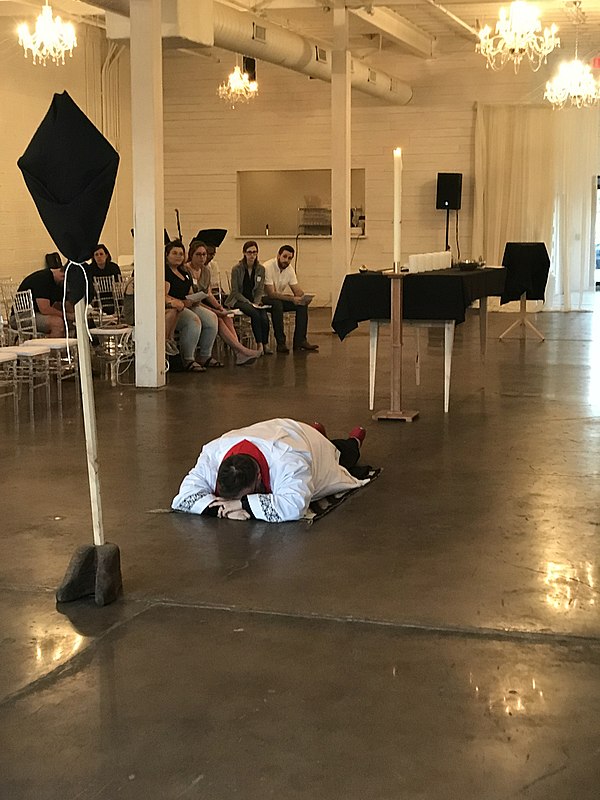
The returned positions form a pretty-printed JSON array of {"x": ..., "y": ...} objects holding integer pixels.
[
  {"x": 527, "y": 265},
  {"x": 440, "y": 294}
]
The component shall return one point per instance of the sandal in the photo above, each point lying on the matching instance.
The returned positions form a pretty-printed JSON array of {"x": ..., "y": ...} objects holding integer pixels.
[
  {"x": 193, "y": 366},
  {"x": 212, "y": 362}
]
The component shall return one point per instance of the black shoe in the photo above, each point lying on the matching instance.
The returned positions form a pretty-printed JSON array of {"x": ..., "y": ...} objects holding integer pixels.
[
  {"x": 283, "y": 348},
  {"x": 306, "y": 346}
]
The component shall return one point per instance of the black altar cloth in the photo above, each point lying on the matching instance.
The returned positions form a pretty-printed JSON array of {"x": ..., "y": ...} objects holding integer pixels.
[
  {"x": 527, "y": 265},
  {"x": 440, "y": 294}
]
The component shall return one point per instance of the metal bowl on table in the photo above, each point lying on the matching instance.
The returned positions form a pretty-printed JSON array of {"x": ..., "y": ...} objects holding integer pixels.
[{"x": 467, "y": 265}]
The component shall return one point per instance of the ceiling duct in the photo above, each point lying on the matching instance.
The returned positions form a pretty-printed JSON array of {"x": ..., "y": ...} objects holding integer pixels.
[{"x": 190, "y": 24}]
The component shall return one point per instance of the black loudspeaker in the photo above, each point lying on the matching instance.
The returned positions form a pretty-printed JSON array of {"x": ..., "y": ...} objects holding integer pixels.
[
  {"x": 449, "y": 190},
  {"x": 249, "y": 67}
]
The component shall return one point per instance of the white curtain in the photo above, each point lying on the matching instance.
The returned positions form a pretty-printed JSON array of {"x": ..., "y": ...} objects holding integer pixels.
[{"x": 535, "y": 178}]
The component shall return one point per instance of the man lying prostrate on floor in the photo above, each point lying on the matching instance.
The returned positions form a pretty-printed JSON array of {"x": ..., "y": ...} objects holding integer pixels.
[{"x": 270, "y": 471}]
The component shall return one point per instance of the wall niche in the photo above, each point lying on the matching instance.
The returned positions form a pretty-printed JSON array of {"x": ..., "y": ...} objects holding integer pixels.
[{"x": 293, "y": 202}]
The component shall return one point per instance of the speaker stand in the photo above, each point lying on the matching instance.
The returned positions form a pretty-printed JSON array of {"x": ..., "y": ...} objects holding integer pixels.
[
  {"x": 447, "y": 226},
  {"x": 522, "y": 322}
]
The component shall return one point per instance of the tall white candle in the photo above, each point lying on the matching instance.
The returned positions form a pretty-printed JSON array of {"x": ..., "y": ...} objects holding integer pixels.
[{"x": 397, "y": 206}]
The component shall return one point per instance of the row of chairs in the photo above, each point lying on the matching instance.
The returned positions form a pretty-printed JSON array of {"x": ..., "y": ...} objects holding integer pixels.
[
  {"x": 26, "y": 358},
  {"x": 107, "y": 305}
]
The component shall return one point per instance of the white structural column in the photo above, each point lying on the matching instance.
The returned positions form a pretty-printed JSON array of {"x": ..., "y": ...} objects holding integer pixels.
[
  {"x": 341, "y": 111},
  {"x": 148, "y": 191}
]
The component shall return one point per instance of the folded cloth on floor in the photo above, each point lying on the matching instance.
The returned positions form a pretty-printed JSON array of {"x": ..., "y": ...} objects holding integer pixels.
[{"x": 318, "y": 508}]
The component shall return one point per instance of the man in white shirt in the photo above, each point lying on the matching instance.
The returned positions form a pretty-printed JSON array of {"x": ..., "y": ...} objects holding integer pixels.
[
  {"x": 270, "y": 470},
  {"x": 279, "y": 277}
]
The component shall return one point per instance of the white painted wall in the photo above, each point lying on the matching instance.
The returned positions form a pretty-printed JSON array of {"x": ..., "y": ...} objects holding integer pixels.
[{"x": 286, "y": 127}]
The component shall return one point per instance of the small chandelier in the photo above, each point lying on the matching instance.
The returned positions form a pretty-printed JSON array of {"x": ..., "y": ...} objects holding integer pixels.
[
  {"x": 238, "y": 88},
  {"x": 518, "y": 36},
  {"x": 51, "y": 39},
  {"x": 574, "y": 83}
]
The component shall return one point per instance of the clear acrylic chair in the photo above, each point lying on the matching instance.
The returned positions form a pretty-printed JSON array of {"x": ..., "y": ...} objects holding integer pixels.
[
  {"x": 118, "y": 294},
  {"x": 8, "y": 289},
  {"x": 33, "y": 369},
  {"x": 64, "y": 361},
  {"x": 243, "y": 328},
  {"x": 22, "y": 319},
  {"x": 115, "y": 348},
  {"x": 8, "y": 379},
  {"x": 104, "y": 300}
]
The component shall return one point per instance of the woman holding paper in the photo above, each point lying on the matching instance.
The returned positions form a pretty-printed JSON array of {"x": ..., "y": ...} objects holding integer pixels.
[
  {"x": 191, "y": 331},
  {"x": 207, "y": 304},
  {"x": 247, "y": 290}
]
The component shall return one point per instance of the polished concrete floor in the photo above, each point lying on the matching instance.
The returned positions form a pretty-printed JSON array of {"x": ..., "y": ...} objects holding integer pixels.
[{"x": 436, "y": 636}]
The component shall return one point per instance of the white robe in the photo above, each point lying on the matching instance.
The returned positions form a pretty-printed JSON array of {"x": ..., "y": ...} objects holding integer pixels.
[{"x": 303, "y": 466}]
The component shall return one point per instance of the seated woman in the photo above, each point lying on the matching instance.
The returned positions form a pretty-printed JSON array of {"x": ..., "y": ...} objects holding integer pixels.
[
  {"x": 101, "y": 266},
  {"x": 200, "y": 274},
  {"x": 177, "y": 287},
  {"x": 247, "y": 289},
  {"x": 171, "y": 315}
]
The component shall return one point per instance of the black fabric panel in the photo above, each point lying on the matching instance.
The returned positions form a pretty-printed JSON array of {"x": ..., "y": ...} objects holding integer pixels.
[
  {"x": 70, "y": 170},
  {"x": 527, "y": 266}
]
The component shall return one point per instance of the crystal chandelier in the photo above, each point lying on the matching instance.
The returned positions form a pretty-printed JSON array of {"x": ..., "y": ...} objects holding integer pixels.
[
  {"x": 238, "y": 88},
  {"x": 518, "y": 35},
  {"x": 51, "y": 39},
  {"x": 574, "y": 83}
]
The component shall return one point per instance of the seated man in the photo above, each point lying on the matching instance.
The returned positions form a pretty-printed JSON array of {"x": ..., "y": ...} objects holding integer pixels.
[
  {"x": 47, "y": 291},
  {"x": 270, "y": 470},
  {"x": 279, "y": 276}
]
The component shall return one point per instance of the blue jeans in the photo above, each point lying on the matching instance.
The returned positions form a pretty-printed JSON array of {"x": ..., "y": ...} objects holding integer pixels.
[
  {"x": 189, "y": 328},
  {"x": 210, "y": 327}
]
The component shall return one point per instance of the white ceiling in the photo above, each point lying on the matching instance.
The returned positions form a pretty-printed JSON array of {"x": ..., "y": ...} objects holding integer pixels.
[
  {"x": 447, "y": 34},
  {"x": 387, "y": 35}
]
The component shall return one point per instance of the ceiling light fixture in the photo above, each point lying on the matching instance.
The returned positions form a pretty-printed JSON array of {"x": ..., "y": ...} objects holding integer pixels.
[
  {"x": 51, "y": 39},
  {"x": 518, "y": 36},
  {"x": 238, "y": 88},
  {"x": 574, "y": 83}
]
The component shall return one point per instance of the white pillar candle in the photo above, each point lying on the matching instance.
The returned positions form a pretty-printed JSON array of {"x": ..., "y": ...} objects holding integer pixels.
[{"x": 397, "y": 205}]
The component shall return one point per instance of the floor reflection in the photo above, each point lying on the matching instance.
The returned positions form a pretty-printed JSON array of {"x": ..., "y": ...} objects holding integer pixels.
[
  {"x": 569, "y": 586},
  {"x": 509, "y": 695},
  {"x": 54, "y": 648}
]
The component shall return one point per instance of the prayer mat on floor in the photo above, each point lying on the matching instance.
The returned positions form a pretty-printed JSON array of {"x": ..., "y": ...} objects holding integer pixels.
[{"x": 318, "y": 508}]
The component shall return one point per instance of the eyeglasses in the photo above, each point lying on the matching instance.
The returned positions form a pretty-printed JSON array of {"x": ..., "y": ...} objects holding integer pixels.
[{"x": 251, "y": 252}]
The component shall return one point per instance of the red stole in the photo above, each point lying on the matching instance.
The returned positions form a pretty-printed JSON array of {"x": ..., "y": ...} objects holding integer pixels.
[{"x": 246, "y": 448}]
